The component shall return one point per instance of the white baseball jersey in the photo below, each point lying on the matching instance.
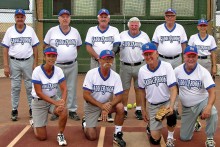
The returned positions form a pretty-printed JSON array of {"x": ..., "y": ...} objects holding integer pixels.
[
  {"x": 169, "y": 41},
  {"x": 66, "y": 44},
  {"x": 102, "y": 40},
  {"x": 130, "y": 49},
  {"x": 193, "y": 86},
  {"x": 157, "y": 83},
  {"x": 102, "y": 88},
  {"x": 20, "y": 44},
  {"x": 49, "y": 84},
  {"x": 204, "y": 46}
]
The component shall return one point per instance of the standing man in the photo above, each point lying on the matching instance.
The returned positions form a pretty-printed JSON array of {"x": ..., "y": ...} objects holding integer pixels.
[
  {"x": 101, "y": 37},
  {"x": 131, "y": 60},
  {"x": 20, "y": 57},
  {"x": 157, "y": 82},
  {"x": 67, "y": 41},
  {"x": 197, "y": 95},
  {"x": 170, "y": 38},
  {"x": 99, "y": 85}
]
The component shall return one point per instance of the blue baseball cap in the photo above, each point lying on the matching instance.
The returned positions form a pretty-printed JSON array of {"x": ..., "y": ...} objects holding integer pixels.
[
  {"x": 50, "y": 50},
  {"x": 64, "y": 11},
  {"x": 190, "y": 50},
  {"x": 106, "y": 53},
  {"x": 148, "y": 48},
  {"x": 103, "y": 11},
  {"x": 170, "y": 10},
  {"x": 19, "y": 11},
  {"x": 202, "y": 22}
]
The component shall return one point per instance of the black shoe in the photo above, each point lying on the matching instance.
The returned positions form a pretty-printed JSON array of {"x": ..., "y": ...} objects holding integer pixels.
[
  {"x": 148, "y": 129},
  {"x": 14, "y": 115},
  {"x": 126, "y": 114},
  {"x": 138, "y": 114},
  {"x": 74, "y": 116},
  {"x": 54, "y": 117},
  {"x": 119, "y": 140},
  {"x": 30, "y": 113}
]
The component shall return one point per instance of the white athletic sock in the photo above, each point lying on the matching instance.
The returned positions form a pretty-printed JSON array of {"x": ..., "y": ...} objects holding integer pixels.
[
  {"x": 170, "y": 134},
  {"x": 118, "y": 129},
  {"x": 125, "y": 108},
  {"x": 138, "y": 107}
]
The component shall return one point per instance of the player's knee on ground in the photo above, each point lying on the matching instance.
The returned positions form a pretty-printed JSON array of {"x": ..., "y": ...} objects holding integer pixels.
[
  {"x": 154, "y": 141},
  {"x": 171, "y": 120}
]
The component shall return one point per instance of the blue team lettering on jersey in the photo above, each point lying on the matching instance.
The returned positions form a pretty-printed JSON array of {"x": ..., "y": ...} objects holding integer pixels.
[
  {"x": 103, "y": 39},
  {"x": 103, "y": 89},
  {"x": 131, "y": 44},
  {"x": 190, "y": 83},
  {"x": 155, "y": 80},
  {"x": 50, "y": 86},
  {"x": 66, "y": 42},
  {"x": 170, "y": 38},
  {"x": 21, "y": 40},
  {"x": 203, "y": 48}
]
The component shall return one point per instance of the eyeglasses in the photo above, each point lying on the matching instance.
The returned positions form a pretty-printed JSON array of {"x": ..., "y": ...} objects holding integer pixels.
[{"x": 170, "y": 16}]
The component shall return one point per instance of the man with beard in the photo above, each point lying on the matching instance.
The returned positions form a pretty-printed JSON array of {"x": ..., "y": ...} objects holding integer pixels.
[{"x": 99, "y": 86}]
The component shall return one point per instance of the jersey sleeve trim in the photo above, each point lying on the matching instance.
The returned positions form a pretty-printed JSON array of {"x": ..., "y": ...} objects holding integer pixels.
[
  {"x": 61, "y": 80},
  {"x": 87, "y": 43},
  {"x": 119, "y": 93},
  {"x": 171, "y": 85},
  {"x": 36, "y": 82},
  {"x": 85, "y": 88},
  {"x": 36, "y": 44},
  {"x": 213, "y": 85},
  {"x": 213, "y": 49},
  {"x": 4, "y": 45}
]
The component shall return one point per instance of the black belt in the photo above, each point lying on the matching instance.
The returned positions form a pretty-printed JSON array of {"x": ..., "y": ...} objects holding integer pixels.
[
  {"x": 202, "y": 57},
  {"x": 169, "y": 57},
  {"x": 67, "y": 63},
  {"x": 159, "y": 103},
  {"x": 19, "y": 59},
  {"x": 132, "y": 64}
]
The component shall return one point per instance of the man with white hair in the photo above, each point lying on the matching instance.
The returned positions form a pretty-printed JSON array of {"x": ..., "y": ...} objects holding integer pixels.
[
  {"x": 101, "y": 37},
  {"x": 131, "y": 60}
]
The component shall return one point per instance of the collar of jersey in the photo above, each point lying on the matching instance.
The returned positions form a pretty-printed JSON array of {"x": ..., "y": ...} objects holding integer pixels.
[
  {"x": 102, "y": 75},
  {"x": 188, "y": 73},
  {"x": 159, "y": 62},
  {"x": 48, "y": 76},
  {"x": 171, "y": 29}
]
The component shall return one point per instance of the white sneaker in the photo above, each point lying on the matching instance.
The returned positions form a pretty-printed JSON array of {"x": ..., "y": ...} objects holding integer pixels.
[
  {"x": 61, "y": 140},
  {"x": 31, "y": 122}
]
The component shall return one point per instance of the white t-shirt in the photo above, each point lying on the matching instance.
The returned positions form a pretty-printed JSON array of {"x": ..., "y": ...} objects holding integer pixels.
[
  {"x": 102, "y": 40},
  {"x": 49, "y": 84},
  {"x": 204, "y": 46},
  {"x": 20, "y": 44},
  {"x": 66, "y": 44},
  {"x": 193, "y": 86},
  {"x": 169, "y": 41},
  {"x": 102, "y": 88},
  {"x": 157, "y": 83},
  {"x": 130, "y": 49}
]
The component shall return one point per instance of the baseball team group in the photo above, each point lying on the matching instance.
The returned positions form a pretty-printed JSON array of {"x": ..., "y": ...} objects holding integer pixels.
[{"x": 163, "y": 70}]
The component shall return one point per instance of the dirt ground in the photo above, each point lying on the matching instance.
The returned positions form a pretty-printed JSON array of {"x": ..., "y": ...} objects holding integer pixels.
[{"x": 9, "y": 130}]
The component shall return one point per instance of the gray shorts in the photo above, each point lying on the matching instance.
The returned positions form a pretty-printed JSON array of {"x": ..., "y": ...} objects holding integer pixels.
[
  {"x": 128, "y": 72},
  {"x": 206, "y": 63},
  {"x": 40, "y": 110},
  {"x": 91, "y": 114},
  {"x": 174, "y": 62},
  {"x": 152, "y": 110}
]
